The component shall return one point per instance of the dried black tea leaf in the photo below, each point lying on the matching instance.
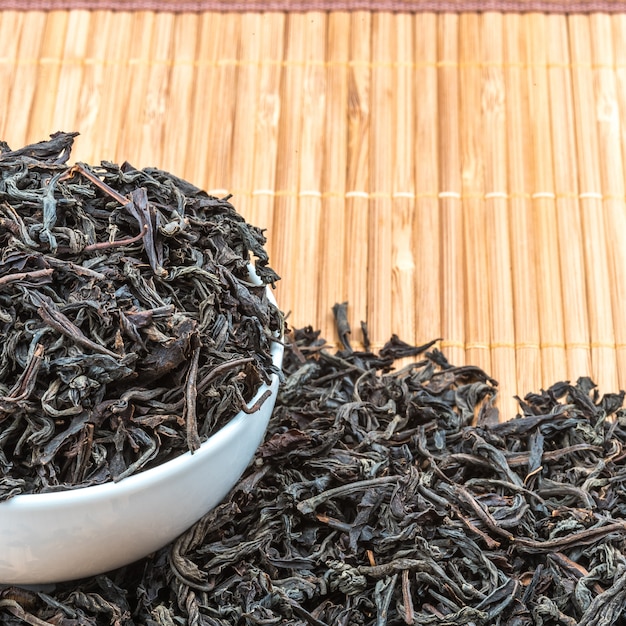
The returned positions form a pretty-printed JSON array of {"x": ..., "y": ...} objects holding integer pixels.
[
  {"x": 131, "y": 327},
  {"x": 385, "y": 497}
]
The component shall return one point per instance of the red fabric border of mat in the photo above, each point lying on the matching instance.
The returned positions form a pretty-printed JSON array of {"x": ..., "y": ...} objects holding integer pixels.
[{"x": 549, "y": 6}]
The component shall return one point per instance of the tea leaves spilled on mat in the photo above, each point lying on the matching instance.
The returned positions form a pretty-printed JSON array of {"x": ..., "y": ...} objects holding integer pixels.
[
  {"x": 384, "y": 497},
  {"x": 131, "y": 329}
]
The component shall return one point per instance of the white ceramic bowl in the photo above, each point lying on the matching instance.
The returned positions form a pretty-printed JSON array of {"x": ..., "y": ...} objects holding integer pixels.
[{"x": 53, "y": 537}]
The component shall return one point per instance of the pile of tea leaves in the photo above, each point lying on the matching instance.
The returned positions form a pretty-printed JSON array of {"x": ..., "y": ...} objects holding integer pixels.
[
  {"x": 384, "y": 497},
  {"x": 131, "y": 327}
]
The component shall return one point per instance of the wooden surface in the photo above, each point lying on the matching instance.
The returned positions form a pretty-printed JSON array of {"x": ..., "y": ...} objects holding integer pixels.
[{"x": 453, "y": 176}]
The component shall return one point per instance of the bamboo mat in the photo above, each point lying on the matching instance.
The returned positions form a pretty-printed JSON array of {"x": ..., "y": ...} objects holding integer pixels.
[
  {"x": 450, "y": 175},
  {"x": 438, "y": 6}
]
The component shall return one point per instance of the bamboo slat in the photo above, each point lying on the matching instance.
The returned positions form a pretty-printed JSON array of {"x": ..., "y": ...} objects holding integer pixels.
[
  {"x": 427, "y": 241},
  {"x": 610, "y": 105},
  {"x": 571, "y": 249},
  {"x": 66, "y": 109},
  {"x": 245, "y": 116},
  {"x": 357, "y": 168},
  {"x": 381, "y": 213},
  {"x": 601, "y": 334},
  {"x": 453, "y": 176},
  {"x": 497, "y": 228},
  {"x": 544, "y": 225},
  {"x": 90, "y": 88},
  {"x": 307, "y": 216},
  {"x": 217, "y": 152},
  {"x": 267, "y": 77},
  {"x": 521, "y": 241},
  {"x": 474, "y": 264},
  {"x": 10, "y": 23},
  {"x": 450, "y": 188},
  {"x": 334, "y": 164},
  {"x": 287, "y": 240},
  {"x": 403, "y": 182},
  {"x": 50, "y": 49},
  {"x": 208, "y": 53},
  {"x": 180, "y": 84},
  {"x": 25, "y": 69},
  {"x": 112, "y": 84}
]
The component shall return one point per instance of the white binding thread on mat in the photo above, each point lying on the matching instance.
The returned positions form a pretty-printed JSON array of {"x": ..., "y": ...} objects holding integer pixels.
[
  {"x": 591, "y": 194},
  {"x": 476, "y": 345},
  {"x": 410, "y": 195},
  {"x": 497, "y": 194}
]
